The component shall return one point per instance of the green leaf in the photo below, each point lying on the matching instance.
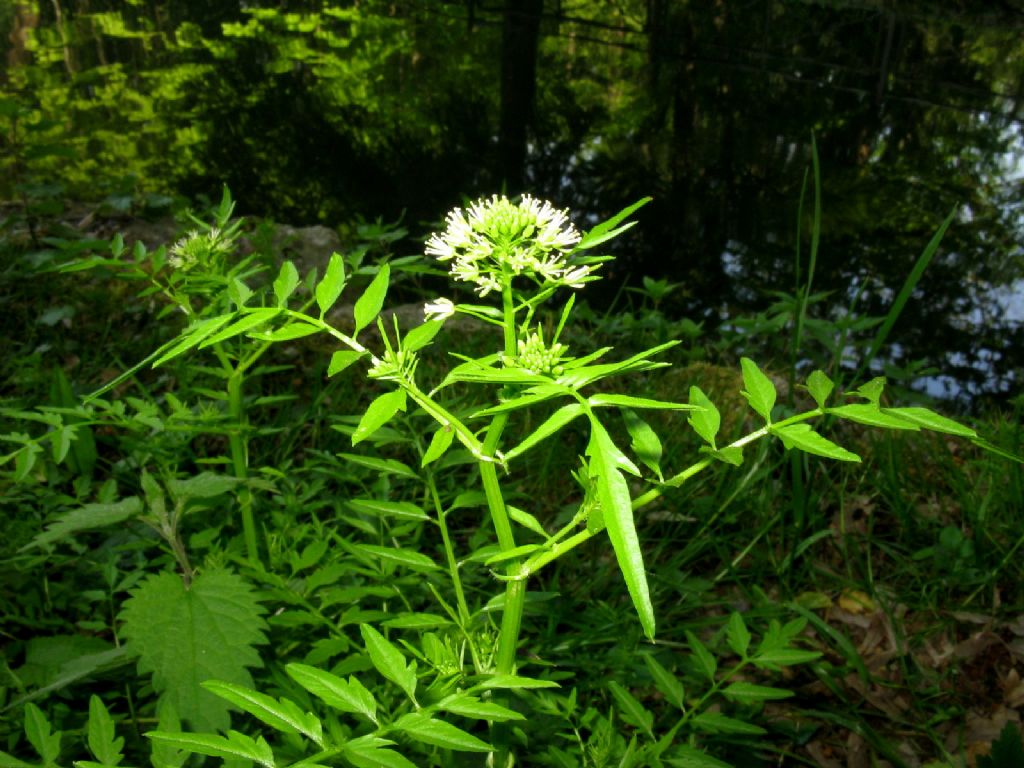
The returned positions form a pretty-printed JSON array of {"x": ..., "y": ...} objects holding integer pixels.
[
  {"x": 665, "y": 681},
  {"x": 363, "y": 756},
  {"x": 190, "y": 338},
  {"x": 470, "y": 706},
  {"x": 415, "y": 620},
  {"x": 820, "y": 386},
  {"x": 103, "y": 741},
  {"x": 440, "y": 734},
  {"x": 527, "y": 520},
  {"x": 406, "y": 557},
  {"x": 370, "y": 303},
  {"x": 401, "y": 509},
  {"x": 685, "y": 756},
  {"x": 237, "y": 746},
  {"x": 804, "y": 438},
  {"x": 330, "y": 288},
  {"x": 705, "y": 659},
  {"x": 288, "y": 332},
  {"x": 705, "y": 422},
  {"x": 186, "y": 636},
  {"x": 506, "y": 682},
  {"x": 760, "y": 392},
  {"x": 205, "y": 485},
  {"x": 87, "y": 518},
  {"x": 384, "y": 466},
  {"x": 421, "y": 335},
  {"x": 439, "y": 444},
  {"x": 341, "y": 360},
  {"x": 1007, "y": 750},
  {"x": 770, "y": 658},
  {"x": 931, "y": 420},
  {"x": 346, "y": 696},
  {"x": 44, "y": 741},
  {"x": 627, "y": 401},
  {"x": 631, "y": 710},
  {"x": 282, "y": 714},
  {"x": 645, "y": 443},
  {"x": 872, "y": 415},
  {"x": 606, "y": 229},
  {"x": 872, "y": 391},
  {"x": 617, "y": 513},
  {"x": 379, "y": 413},
  {"x": 751, "y": 692},
  {"x": 550, "y": 426},
  {"x": 247, "y": 322},
  {"x": 737, "y": 634},
  {"x": 10, "y": 761},
  {"x": 286, "y": 283},
  {"x": 715, "y": 722},
  {"x": 389, "y": 661}
]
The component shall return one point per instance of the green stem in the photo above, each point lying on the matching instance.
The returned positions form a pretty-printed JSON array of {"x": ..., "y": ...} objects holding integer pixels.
[
  {"x": 238, "y": 445},
  {"x": 449, "y": 551}
]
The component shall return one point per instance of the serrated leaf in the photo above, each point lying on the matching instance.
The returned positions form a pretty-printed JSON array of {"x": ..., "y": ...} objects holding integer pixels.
[
  {"x": 715, "y": 722},
  {"x": 931, "y": 420},
  {"x": 439, "y": 443},
  {"x": 286, "y": 283},
  {"x": 330, "y": 288},
  {"x": 804, "y": 438},
  {"x": 758, "y": 389},
  {"x": 665, "y": 681},
  {"x": 89, "y": 517},
  {"x": 705, "y": 659},
  {"x": 341, "y": 360},
  {"x": 389, "y": 661},
  {"x": 421, "y": 335},
  {"x": 385, "y": 466},
  {"x": 550, "y": 426},
  {"x": 820, "y": 386},
  {"x": 645, "y": 442},
  {"x": 104, "y": 743},
  {"x": 440, "y": 734},
  {"x": 40, "y": 734},
  {"x": 281, "y": 714},
  {"x": 872, "y": 415},
  {"x": 379, "y": 413},
  {"x": 737, "y": 634},
  {"x": 370, "y": 303},
  {"x": 346, "y": 696},
  {"x": 707, "y": 421},
  {"x": 236, "y": 747},
  {"x": 751, "y": 692},
  {"x": 186, "y": 636},
  {"x": 617, "y": 514},
  {"x": 470, "y": 706},
  {"x": 631, "y": 710},
  {"x": 401, "y": 509},
  {"x": 408, "y": 558}
]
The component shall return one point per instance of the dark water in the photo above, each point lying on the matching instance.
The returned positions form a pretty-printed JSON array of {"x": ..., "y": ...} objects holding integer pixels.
[{"x": 388, "y": 109}]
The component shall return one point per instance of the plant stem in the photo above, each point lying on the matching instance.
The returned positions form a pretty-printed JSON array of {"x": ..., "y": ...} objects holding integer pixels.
[
  {"x": 449, "y": 551},
  {"x": 240, "y": 463}
]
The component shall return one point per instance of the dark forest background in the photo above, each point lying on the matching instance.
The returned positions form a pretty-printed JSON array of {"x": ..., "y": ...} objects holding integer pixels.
[{"x": 325, "y": 112}]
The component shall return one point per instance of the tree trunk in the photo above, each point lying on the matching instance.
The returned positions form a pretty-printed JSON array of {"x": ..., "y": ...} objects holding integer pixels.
[{"x": 519, "y": 37}]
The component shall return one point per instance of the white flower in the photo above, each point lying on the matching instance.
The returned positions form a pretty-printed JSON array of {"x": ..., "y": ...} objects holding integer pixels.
[
  {"x": 496, "y": 239},
  {"x": 438, "y": 309}
]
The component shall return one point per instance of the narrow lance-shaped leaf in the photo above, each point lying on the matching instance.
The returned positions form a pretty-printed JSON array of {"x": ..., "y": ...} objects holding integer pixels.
[
  {"x": 645, "y": 443},
  {"x": 389, "y": 661},
  {"x": 347, "y": 696},
  {"x": 617, "y": 512},
  {"x": 284, "y": 715},
  {"x": 379, "y": 413},
  {"x": 806, "y": 439},
  {"x": 551, "y": 425}
]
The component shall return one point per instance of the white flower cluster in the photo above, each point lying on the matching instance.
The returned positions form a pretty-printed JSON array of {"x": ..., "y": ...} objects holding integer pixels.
[{"x": 497, "y": 239}]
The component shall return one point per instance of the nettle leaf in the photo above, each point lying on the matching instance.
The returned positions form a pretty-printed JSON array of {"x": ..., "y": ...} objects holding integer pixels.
[
  {"x": 645, "y": 443},
  {"x": 87, "y": 518},
  {"x": 347, "y": 696},
  {"x": 389, "y": 661},
  {"x": 379, "y": 413},
  {"x": 370, "y": 303},
  {"x": 820, "y": 386},
  {"x": 330, "y": 288},
  {"x": 187, "y": 636},
  {"x": 282, "y": 714},
  {"x": 286, "y": 283},
  {"x": 104, "y": 743},
  {"x": 707, "y": 421},
  {"x": 617, "y": 513},
  {"x": 440, "y": 734},
  {"x": 759, "y": 390},
  {"x": 804, "y": 438}
]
